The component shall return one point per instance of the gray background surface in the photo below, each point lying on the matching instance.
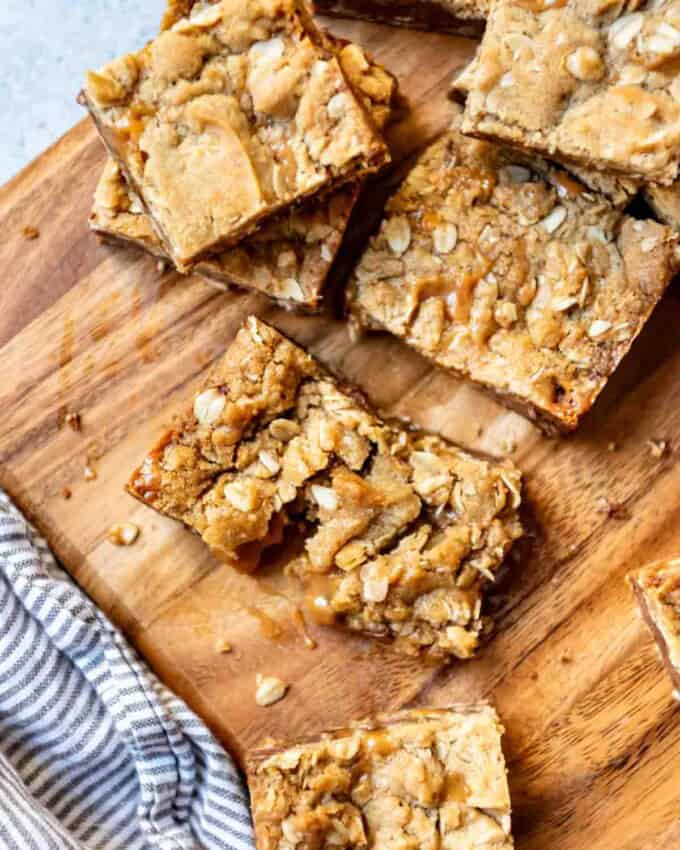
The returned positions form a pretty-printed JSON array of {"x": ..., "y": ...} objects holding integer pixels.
[{"x": 45, "y": 48}]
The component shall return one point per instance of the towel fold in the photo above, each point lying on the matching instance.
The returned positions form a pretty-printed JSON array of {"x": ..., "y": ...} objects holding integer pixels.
[{"x": 94, "y": 751}]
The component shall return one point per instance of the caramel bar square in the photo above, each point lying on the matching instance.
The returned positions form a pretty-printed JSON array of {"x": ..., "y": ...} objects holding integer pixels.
[
  {"x": 590, "y": 83},
  {"x": 418, "y": 779},
  {"x": 657, "y": 589},
  {"x": 290, "y": 256},
  {"x": 233, "y": 113},
  {"x": 400, "y": 532},
  {"x": 510, "y": 273}
]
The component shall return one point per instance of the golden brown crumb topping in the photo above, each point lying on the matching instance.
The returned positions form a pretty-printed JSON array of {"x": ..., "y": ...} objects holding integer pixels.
[
  {"x": 422, "y": 780},
  {"x": 593, "y": 82},
  {"x": 404, "y": 530},
  {"x": 511, "y": 273},
  {"x": 232, "y": 113}
]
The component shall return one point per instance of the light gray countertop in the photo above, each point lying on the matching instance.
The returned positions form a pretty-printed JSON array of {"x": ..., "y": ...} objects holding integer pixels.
[{"x": 45, "y": 48}]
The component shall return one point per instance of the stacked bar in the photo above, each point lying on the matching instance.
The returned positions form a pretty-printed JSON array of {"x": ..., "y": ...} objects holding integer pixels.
[
  {"x": 239, "y": 137},
  {"x": 402, "y": 532}
]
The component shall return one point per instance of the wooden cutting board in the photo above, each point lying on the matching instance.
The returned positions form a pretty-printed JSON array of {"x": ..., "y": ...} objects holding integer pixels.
[{"x": 593, "y": 735}]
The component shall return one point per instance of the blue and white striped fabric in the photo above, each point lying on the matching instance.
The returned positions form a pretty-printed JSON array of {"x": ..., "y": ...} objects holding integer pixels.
[{"x": 94, "y": 751}]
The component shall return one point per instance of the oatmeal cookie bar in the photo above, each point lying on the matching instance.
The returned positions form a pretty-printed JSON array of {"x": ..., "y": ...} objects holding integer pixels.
[
  {"x": 290, "y": 256},
  {"x": 401, "y": 531},
  {"x": 419, "y": 779},
  {"x": 517, "y": 278},
  {"x": 657, "y": 589},
  {"x": 462, "y": 17},
  {"x": 586, "y": 82},
  {"x": 233, "y": 113}
]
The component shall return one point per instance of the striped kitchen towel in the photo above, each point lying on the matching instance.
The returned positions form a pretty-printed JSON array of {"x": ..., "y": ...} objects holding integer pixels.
[{"x": 94, "y": 751}]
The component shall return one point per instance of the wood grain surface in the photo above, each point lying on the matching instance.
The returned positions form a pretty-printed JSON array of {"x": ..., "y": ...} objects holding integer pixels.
[{"x": 593, "y": 735}]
